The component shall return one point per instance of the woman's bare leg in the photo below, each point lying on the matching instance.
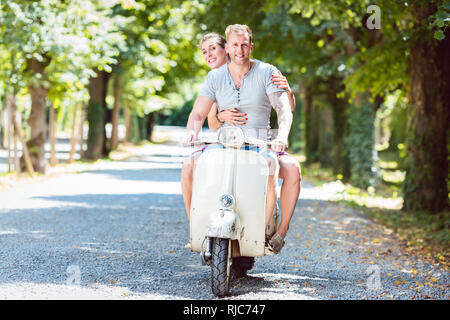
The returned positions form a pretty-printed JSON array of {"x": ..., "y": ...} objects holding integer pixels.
[{"x": 187, "y": 177}]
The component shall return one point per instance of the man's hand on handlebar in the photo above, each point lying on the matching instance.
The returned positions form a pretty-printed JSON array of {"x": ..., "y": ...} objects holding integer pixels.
[
  {"x": 278, "y": 145},
  {"x": 189, "y": 138}
]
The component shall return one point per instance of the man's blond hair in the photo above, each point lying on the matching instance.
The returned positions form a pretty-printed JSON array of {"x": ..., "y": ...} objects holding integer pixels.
[{"x": 238, "y": 29}]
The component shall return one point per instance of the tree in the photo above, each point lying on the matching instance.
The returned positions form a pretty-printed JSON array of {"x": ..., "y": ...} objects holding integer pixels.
[
  {"x": 156, "y": 56},
  {"x": 425, "y": 186},
  {"x": 416, "y": 29},
  {"x": 48, "y": 38},
  {"x": 310, "y": 54}
]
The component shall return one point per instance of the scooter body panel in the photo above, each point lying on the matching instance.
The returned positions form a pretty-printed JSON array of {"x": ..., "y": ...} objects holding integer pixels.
[{"x": 244, "y": 175}]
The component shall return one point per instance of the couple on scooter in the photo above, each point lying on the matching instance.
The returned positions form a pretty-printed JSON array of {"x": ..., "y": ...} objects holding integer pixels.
[{"x": 240, "y": 91}]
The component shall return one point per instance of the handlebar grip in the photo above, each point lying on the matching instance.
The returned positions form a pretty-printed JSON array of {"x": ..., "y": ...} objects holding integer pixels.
[{"x": 197, "y": 143}]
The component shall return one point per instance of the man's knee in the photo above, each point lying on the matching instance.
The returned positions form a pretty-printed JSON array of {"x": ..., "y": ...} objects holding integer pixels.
[
  {"x": 295, "y": 171},
  {"x": 290, "y": 170}
]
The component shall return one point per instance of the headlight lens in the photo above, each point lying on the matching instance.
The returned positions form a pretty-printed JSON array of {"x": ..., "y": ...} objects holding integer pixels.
[
  {"x": 231, "y": 137},
  {"x": 226, "y": 201}
]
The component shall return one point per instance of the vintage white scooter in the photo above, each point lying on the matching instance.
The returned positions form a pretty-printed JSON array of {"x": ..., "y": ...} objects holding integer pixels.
[{"x": 227, "y": 224}]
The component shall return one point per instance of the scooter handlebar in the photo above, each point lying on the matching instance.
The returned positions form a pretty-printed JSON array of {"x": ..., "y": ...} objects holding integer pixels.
[{"x": 247, "y": 140}]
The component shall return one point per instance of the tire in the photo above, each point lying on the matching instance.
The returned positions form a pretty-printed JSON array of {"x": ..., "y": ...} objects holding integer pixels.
[
  {"x": 241, "y": 265},
  {"x": 220, "y": 266}
]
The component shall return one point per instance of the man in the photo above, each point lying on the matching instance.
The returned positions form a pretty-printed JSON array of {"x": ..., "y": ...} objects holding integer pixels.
[{"x": 245, "y": 84}]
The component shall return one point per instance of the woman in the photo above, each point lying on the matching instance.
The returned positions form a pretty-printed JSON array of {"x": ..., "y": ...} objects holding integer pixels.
[{"x": 213, "y": 49}]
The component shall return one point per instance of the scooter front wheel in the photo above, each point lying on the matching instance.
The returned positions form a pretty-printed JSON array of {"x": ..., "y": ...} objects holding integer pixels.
[{"x": 220, "y": 266}]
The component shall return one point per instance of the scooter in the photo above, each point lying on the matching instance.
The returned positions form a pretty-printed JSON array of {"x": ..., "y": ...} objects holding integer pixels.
[{"x": 227, "y": 224}]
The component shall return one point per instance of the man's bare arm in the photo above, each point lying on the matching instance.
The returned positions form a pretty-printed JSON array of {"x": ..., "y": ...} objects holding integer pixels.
[{"x": 280, "y": 102}]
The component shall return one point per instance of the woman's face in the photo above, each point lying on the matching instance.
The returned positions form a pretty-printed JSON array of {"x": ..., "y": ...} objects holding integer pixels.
[{"x": 214, "y": 55}]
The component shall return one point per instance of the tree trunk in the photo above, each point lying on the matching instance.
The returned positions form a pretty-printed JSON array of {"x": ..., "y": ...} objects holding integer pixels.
[
  {"x": 16, "y": 158},
  {"x": 127, "y": 117},
  {"x": 339, "y": 107},
  {"x": 96, "y": 116},
  {"x": 3, "y": 124},
  {"x": 37, "y": 118},
  {"x": 311, "y": 127},
  {"x": 325, "y": 137},
  {"x": 115, "y": 113},
  {"x": 52, "y": 136},
  {"x": 150, "y": 125},
  {"x": 142, "y": 128},
  {"x": 18, "y": 135},
  {"x": 425, "y": 186},
  {"x": 26, "y": 154},
  {"x": 8, "y": 130},
  {"x": 74, "y": 134},
  {"x": 108, "y": 119},
  {"x": 81, "y": 129},
  {"x": 12, "y": 143}
]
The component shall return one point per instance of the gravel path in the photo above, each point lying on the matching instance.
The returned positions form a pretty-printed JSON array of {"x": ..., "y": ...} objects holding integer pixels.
[{"x": 118, "y": 232}]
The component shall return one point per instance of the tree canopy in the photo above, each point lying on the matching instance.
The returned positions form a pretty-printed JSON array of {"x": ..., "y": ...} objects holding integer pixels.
[{"x": 347, "y": 61}]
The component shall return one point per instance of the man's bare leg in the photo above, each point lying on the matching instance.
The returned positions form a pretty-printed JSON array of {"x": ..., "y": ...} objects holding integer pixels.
[
  {"x": 290, "y": 172},
  {"x": 271, "y": 198}
]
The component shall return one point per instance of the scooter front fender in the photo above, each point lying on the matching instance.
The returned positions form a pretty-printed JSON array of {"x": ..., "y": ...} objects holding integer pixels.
[{"x": 224, "y": 223}]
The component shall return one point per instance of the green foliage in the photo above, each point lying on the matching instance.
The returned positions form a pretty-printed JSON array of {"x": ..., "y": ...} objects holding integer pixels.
[
  {"x": 64, "y": 33},
  {"x": 158, "y": 56},
  {"x": 151, "y": 46},
  {"x": 395, "y": 108},
  {"x": 295, "y": 136},
  {"x": 178, "y": 116},
  {"x": 149, "y": 43},
  {"x": 440, "y": 20},
  {"x": 360, "y": 144}
]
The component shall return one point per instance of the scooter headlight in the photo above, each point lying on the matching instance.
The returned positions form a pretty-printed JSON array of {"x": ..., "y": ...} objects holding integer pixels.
[
  {"x": 226, "y": 201},
  {"x": 231, "y": 137}
]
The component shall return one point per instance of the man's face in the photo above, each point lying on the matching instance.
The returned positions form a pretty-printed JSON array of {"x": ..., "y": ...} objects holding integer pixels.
[{"x": 239, "y": 48}]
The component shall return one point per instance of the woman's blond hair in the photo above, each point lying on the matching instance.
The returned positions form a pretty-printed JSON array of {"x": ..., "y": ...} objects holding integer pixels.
[{"x": 218, "y": 39}]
